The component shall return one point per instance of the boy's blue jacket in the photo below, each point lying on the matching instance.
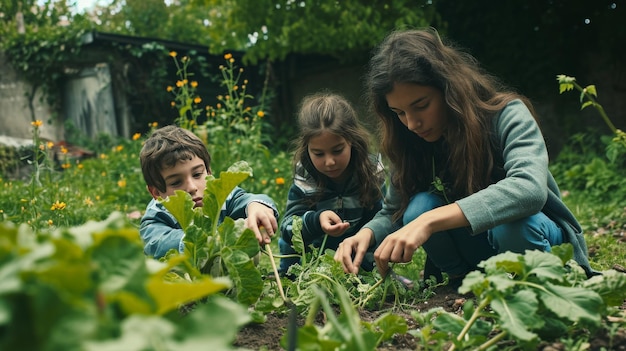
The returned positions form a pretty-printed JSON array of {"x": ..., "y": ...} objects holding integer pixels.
[{"x": 161, "y": 232}]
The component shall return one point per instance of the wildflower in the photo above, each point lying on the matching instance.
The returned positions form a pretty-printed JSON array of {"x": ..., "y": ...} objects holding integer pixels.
[
  {"x": 50, "y": 222},
  {"x": 154, "y": 124},
  {"x": 103, "y": 156},
  {"x": 42, "y": 147},
  {"x": 173, "y": 104},
  {"x": 58, "y": 206},
  {"x": 275, "y": 170},
  {"x": 50, "y": 145},
  {"x": 37, "y": 123},
  {"x": 219, "y": 106},
  {"x": 280, "y": 181},
  {"x": 104, "y": 174},
  {"x": 119, "y": 148},
  {"x": 64, "y": 150},
  {"x": 245, "y": 81},
  {"x": 169, "y": 88},
  {"x": 136, "y": 136},
  {"x": 185, "y": 58},
  {"x": 194, "y": 84},
  {"x": 261, "y": 114},
  {"x": 197, "y": 100},
  {"x": 173, "y": 53},
  {"x": 88, "y": 202},
  {"x": 264, "y": 182},
  {"x": 179, "y": 83},
  {"x": 66, "y": 165},
  {"x": 121, "y": 183},
  {"x": 80, "y": 166},
  {"x": 238, "y": 141},
  {"x": 228, "y": 56},
  {"x": 235, "y": 88}
]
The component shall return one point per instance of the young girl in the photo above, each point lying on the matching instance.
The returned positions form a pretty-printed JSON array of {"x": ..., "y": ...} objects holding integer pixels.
[
  {"x": 470, "y": 173},
  {"x": 337, "y": 184}
]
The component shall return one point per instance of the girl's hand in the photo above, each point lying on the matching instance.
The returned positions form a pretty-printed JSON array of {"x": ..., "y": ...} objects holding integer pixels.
[
  {"x": 352, "y": 250},
  {"x": 399, "y": 247},
  {"x": 332, "y": 224}
]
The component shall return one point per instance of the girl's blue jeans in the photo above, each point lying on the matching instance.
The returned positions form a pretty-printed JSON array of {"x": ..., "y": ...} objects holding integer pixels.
[{"x": 457, "y": 251}]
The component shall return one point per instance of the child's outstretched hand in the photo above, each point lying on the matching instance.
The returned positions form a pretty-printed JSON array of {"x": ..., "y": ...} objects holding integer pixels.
[
  {"x": 259, "y": 216},
  {"x": 332, "y": 224}
]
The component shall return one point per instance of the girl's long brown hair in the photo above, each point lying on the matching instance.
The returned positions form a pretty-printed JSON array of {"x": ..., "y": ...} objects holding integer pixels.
[
  {"x": 333, "y": 113},
  {"x": 472, "y": 96}
]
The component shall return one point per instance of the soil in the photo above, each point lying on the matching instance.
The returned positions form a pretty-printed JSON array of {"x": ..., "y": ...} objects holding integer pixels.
[{"x": 267, "y": 336}]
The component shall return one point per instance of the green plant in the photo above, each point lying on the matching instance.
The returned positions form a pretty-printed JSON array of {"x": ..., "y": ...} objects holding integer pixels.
[
  {"x": 214, "y": 248},
  {"x": 588, "y": 97},
  {"x": 92, "y": 288},
  {"x": 345, "y": 331},
  {"x": 527, "y": 298}
]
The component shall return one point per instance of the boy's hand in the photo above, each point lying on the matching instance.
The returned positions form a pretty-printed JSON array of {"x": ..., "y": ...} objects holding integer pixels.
[
  {"x": 332, "y": 224},
  {"x": 259, "y": 216}
]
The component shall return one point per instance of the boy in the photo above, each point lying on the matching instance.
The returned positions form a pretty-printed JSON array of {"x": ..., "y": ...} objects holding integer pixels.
[{"x": 174, "y": 158}]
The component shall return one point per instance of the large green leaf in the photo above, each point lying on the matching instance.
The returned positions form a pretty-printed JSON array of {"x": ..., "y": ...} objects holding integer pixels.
[
  {"x": 180, "y": 205},
  {"x": 576, "y": 304},
  {"x": 244, "y": 274},
  {"x": 517, "y": 314}
]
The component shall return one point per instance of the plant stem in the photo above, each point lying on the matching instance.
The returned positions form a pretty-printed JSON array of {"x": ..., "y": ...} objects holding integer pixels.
[
  {"x": 280, "y": 284},
  {"x": 472, "y": 319}
]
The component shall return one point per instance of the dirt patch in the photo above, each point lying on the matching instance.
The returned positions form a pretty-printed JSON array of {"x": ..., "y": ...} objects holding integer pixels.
[{"x": 267, "y": 336}]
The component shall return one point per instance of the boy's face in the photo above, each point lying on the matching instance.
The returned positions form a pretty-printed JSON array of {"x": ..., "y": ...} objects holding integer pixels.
[{"x": 187, "y": 175}]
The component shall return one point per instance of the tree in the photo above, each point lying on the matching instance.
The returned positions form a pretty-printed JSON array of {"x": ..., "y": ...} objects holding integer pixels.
[{"x": 272, "y": 29}]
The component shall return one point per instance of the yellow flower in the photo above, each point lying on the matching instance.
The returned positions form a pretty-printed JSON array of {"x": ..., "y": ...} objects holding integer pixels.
[
  {"x": 50, "y": 222},
  {"x": 119, "y": 148},
  {"x": 50, "y": 145},
  {"x": 80, "y": 166},
  {"x": 245, "y": 81},
  {"x": 185, "y": 81},
  {"x": 36, "y": 123},
  {"x": 275, "y": 170},
  {"x": 169, "y": 88},
  {"x": 185, "y": 58},
  {"x": 154, "y": 124},
  {"x": 42, "y": 147},
  {"x": 64, "y": 150},
  {"x": 173, "y": 103},
  {"x": 58, "y": 206},
  {"x": 261, "y": 114},
  {"x": 104, "y": 174},
  {"x": 88, "y": 202},
  {"x": 264, "y": 182},
  {"x": 235, "y": 88},
  {"x": 197, "y": 100},
  {"x": 194, "y": 84},
  {"x": 173, "y": 53},
  {"x": 121, "y": 183},
  {"x": 228, "y": 56},
  {"x": 238, "y": 141},
  {"x": 66, "y": 166},
  {"x": 280, "y": 180},
  {"x": 136, "y": 136},
  {"x": 219, "y": 106},
  {"x": 179, "y": 83},
  {"x": 231, "y": 60},
  {"x": 103, "y": 156}
]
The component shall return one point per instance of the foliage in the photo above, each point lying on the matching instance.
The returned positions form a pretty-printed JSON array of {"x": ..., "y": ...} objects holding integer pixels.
[
  {"x": 67, "y": 189},
  {"x": 585, "y": 175},
  {"x": 235, "y": 128},
  {"x": 92, "y": 288},
  {"x": 345, "y": 331},
  {"x": 51, "y": 37},
  {"x": 526, "y": 298},
  {"x": 220, "y": 249},
  {"x": 588, "y": 97},
  {"x": 271, "y": 29}
]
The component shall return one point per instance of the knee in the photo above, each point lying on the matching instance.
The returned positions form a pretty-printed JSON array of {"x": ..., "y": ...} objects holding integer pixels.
[{"x": 420, "y": 203}]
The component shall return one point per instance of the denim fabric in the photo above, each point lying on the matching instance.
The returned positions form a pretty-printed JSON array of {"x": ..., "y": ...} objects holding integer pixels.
[
  {"x": 537, "y": 232},
  {"x": 454, "y": 251},
  {"x": 457, "y": 251}
]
